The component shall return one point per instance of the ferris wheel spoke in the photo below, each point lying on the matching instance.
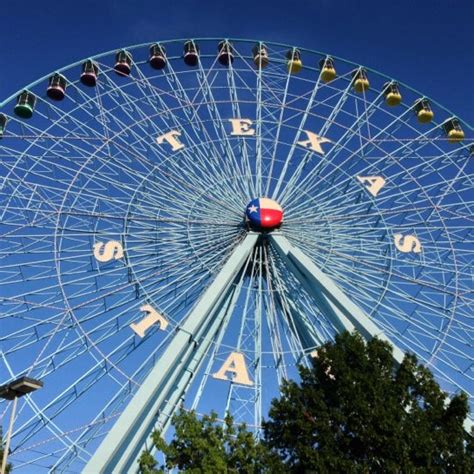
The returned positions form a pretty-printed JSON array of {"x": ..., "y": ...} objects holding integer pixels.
[
  {"x": 402, "y": 149},
  {"x": 325, "y": 128},
  {"x": 191, "y": 109},
  {"x": 389, "y": 195},
  {"x": 316, "y": 327},
  {"x": 273, "y": 326},
  {"x": 341, "y": 145},
  {"x": 166, "y": 178},
  {"x": 387, "y": 131},
  {"x": 302, "y": 123},
  {"x": 192, "y": 112},
  {"x": 401, "y": 276},
  {"x": 92, "y": 175},
  {"x": 300, "y": 333},
  {"x": 453, "y": 214},
  {"x": 234, "y": 98},
  {"x": 55, "y": 208},
  {"x": 258, "y": 133},
  {"x": 277, "y": 135},
  {"x": 369, "y": 255},
  {"x": 217, "y": 122},
  {"x": 140, "y": 137},
  {"x": 131, "y": 218}
]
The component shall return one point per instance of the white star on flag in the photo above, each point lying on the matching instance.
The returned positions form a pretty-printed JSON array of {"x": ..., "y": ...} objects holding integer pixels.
[{"x": 252, "y": 209}]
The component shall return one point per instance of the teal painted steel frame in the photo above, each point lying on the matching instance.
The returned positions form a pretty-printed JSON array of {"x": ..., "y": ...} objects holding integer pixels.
[
  {"x": 332, "y": 301},
  {"x": 163, "y": 388}
]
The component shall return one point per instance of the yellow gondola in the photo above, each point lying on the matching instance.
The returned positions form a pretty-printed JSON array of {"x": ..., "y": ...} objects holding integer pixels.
[
  {"x": 328, "y": 71},
  {"x": 422, "y": 108},
  {"x": 360, "y": 81},
  {"x": 294, "y": 63},
  {"x": 260, "y": 56},
  {"x": 392, "y": 94},
  {"x": 453, "y": 130}
]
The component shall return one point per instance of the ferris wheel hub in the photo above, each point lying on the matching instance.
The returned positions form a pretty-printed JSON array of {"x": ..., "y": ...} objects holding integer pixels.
[{"x": 264, "y": 213}]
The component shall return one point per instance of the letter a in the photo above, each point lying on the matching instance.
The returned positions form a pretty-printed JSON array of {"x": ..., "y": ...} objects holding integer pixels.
[
  {"x": 235, "y": 364},
  {"x": 313, "y": 142},
  {"x": 407, "y": 243},
  {"x": 170, "y": 138},
  {"x": 151, "y": 318},
  {"x": 242, "y": 127},
  {"x": 375, "y": 183}
]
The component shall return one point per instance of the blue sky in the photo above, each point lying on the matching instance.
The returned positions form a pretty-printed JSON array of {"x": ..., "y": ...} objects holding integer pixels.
[{"x": 426, "y": 44}]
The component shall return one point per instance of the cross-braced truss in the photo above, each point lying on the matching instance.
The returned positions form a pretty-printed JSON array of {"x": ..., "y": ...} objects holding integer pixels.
[{"x": 88, "y": 175}]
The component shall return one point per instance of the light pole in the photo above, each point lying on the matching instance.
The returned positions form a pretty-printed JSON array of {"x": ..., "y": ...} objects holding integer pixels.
[{"x": 13, "y": 391}]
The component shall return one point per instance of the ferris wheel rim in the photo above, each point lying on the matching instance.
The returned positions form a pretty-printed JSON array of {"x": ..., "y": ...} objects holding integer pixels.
[
  {"x": 62, "y": 69},
  {"x": 331, "y": 205}
]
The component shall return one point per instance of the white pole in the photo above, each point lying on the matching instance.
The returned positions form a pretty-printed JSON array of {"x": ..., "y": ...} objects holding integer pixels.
[{"x": 9, "y": 434}]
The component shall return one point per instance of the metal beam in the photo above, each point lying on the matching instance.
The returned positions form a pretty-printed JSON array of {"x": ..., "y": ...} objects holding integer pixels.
[
  {"x": 332, "y": 301},
  {"x": 172, "y": 374}
]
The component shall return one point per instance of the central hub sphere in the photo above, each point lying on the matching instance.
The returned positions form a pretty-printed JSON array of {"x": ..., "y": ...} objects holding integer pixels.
[{"x": 264, "y": 213}]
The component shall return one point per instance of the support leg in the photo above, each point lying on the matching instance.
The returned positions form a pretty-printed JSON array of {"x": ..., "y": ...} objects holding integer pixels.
[
  {"x": 332, "y": 301},
  {"x": 172, "y": 374}
]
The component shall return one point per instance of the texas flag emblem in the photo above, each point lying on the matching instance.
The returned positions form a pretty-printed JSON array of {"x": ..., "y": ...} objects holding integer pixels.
[{"x": 264, "y": 213}]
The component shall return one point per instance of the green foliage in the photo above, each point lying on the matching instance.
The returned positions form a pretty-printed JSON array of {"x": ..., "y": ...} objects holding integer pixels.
[
  {"x": 353, "y": 411},
  {"x": 207, "y": 445},
  {"x": 147, "y": 463},
  {"x": 356, "y": 411}
]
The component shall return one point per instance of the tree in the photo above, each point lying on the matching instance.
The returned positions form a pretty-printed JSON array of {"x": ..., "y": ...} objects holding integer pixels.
[
  {"x": 208, "y": 445},
  {"x": 355, "y": 410}
]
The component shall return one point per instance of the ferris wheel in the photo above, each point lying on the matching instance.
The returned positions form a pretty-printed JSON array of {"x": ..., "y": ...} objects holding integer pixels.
[{"x": 183, "y": 223}]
